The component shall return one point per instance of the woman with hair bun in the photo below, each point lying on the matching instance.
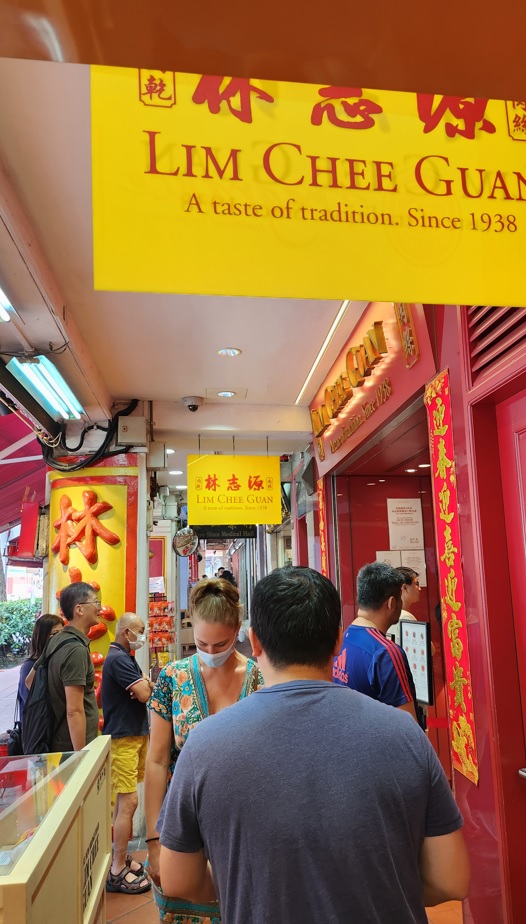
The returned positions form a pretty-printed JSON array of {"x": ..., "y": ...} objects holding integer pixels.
[{"x": 187, "y": 691}]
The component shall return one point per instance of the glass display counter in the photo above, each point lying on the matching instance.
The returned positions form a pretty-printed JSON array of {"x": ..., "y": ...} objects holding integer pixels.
[{"x": 55, "y": 836}]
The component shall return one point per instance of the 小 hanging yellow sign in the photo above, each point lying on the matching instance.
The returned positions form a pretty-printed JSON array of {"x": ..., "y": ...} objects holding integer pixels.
[{"x": 231, "y": 186}]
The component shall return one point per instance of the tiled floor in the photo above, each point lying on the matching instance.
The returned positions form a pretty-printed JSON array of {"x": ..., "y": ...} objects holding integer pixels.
[{"x": 140, "y": 909}]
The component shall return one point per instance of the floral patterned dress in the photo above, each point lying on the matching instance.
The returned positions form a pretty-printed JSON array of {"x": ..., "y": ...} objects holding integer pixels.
[{"x": 180, "y": 696}]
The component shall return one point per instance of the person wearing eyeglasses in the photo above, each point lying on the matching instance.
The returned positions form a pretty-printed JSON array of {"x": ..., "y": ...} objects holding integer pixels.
[{"x": 71, "y": 675}]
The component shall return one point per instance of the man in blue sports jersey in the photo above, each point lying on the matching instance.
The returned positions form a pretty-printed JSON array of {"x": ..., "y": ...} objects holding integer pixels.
[{"x": 368, "y": 661}]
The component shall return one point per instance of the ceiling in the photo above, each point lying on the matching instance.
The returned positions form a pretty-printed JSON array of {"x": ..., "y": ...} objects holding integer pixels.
[
  {"x": 473, "y": 48},
  {"x": 160, "y": 348},
  {"x": 154, "y": 347}
]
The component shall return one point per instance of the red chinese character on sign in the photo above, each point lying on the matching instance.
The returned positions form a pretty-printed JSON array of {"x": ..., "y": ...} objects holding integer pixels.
[
  {"x": 519, "y": 122},
  {"x": 89, "y": 527},
  {"x": 360, "y": 112},
  {"x": 81, "y": 528},
  {"x": 209, "y": 91},
  {"x": 470, "y": 112},
  {"x": 212, "y": 483},
  {"x": 233, "y": 484},
  {"x": 255, "y": 483},
  {"x": 66, "y": 528},
  {"x": 155, "y": 87}
]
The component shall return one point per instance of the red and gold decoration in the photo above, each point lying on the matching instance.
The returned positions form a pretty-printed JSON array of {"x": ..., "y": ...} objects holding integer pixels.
[
  {"x": 451, "y": 580},
  {"x": 322, "y": 527},
  {"x": 94, "y": 539}
]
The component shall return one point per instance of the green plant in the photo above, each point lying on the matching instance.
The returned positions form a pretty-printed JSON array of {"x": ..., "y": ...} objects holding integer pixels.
[{"x": 17, "y": 618}]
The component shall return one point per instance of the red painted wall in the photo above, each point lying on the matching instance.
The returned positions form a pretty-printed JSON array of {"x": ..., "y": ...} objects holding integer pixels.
[{"x": 362, "y": 531}]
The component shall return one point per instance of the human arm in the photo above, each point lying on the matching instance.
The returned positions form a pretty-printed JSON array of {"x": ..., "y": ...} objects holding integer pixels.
[
  {"x": 141, "y": 690},
  {"x": 390, "y": 678},
  {"x": 76, "y": 716},
  {"x": 444, "y": 868},
  {"x": 155, "y": 781},
  {"x": 187, "y": 875}
]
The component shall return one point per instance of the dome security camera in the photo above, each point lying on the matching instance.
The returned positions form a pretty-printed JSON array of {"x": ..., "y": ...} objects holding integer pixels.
[{"x": 193, "y": 402}]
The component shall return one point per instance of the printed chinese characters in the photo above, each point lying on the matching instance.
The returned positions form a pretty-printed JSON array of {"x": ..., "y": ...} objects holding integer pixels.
[
  {"x": 470, "y": 112},
  {"x": 359, "y": 113}
]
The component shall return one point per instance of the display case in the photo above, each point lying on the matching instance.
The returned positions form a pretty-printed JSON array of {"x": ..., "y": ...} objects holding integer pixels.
[{"x": 55, "y": 836}]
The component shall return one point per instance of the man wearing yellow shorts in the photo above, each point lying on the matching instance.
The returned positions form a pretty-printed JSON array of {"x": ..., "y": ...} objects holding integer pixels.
[{"x": 125, "y": 692}]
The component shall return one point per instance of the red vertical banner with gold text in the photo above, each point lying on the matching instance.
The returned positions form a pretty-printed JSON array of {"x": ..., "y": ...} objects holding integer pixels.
[
  {"x": 451, "y": 579},
  {"x": 322, "y": 527}
]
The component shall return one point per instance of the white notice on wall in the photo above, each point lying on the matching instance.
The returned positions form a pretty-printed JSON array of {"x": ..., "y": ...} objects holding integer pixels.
[
  {"x": 156, "y": 585},
  {"x": 415, "y": 559},
  {"x": 390, "y": 558},
  {"x": 405, "y": 523}
]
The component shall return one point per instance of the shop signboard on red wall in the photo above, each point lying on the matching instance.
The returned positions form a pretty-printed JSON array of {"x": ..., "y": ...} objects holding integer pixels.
[
  {"x": 451, "y": 579},
  {"x": 387, "y": 359}
]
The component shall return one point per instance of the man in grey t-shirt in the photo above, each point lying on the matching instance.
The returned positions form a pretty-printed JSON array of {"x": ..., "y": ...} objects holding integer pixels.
[{"x": 311, "y": 802}]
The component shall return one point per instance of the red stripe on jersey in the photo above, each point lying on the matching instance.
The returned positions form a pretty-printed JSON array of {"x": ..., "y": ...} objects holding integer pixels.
[{"x": 395, "y": 653}]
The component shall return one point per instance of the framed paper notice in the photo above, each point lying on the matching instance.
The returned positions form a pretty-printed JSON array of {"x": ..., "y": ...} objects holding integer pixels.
[
  {"x": 415, "y": 559},
  {"x": 415, "y": 639},
  {"x": 404, "y": 515},
  {"x": 390, "y": 558}
]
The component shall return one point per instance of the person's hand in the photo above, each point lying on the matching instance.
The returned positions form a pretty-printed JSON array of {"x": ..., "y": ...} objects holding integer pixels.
[{"x": 154, "y": 849}]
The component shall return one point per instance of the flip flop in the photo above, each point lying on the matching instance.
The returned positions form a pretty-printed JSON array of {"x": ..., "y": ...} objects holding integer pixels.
[
  {"x": 140, "y": 866},
  {"x": 119, "y": 883}
]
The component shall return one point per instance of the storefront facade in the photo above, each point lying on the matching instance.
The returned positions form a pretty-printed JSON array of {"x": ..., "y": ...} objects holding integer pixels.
[{"x": 386, "y": 457}]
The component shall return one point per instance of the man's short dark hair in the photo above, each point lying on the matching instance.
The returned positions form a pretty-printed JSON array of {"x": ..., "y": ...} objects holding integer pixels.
[
  {"x": 296, "y": 615},
  {"x": 408, "y": 574},
  {"x": 74, "y": 594},
  {"x": 376, "y": 583}
]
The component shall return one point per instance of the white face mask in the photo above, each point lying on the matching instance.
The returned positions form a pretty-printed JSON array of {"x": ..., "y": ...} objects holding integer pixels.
[
  {"x": 139, "y": 641},
  {"x": 216, "y": 660}
]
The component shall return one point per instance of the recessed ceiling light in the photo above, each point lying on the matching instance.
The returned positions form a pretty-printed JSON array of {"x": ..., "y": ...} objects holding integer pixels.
[
  {"x": 381, "y": 480},
  {"x": 411, "y": 470},
  {"x": 170, "y": 452},
  {"x": 181, "y": 487},
  {"x": 177, "y": 472},
  {"x": 425, "y": 465},
  {"x": 370, "y": 484},
  {"x": 226, "y": 394},
  {"x": 229, "y": 351}
]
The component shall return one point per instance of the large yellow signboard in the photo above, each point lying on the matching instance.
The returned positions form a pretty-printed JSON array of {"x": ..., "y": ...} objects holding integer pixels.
[
  {"x": 226, "y": 490},
  {"x": 218, "y": 185}
]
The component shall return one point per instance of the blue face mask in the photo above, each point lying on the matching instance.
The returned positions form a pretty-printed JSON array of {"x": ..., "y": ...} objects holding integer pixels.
[{"x": 217, "y": 660}]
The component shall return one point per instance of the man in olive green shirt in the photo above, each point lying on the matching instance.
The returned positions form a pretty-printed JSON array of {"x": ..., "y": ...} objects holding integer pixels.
[{"x": 71, "y": 673}]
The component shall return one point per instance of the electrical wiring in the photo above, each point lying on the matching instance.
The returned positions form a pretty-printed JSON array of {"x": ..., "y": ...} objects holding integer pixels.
[
  {"x": 41, "y": 436},
  {"x": 23, "y": 354},
  {"x": 102, "y": 452}
]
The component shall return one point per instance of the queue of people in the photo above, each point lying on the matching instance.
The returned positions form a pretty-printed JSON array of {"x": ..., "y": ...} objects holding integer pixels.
[{"x": 266, "y": 792}]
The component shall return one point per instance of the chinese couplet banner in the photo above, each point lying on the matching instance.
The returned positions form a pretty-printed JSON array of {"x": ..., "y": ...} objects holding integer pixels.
[
  {"x": 234, "y": 489},
  {"x": 451, "y": 581},
  {"x": 219, "y": 185},
  {"x": 322, "y": 527}
]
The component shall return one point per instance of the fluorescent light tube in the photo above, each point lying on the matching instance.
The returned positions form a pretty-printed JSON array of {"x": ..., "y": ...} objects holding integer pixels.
[{"x": 44, "y": 382}]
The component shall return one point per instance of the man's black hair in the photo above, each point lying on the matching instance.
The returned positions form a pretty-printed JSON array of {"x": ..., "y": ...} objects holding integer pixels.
[
  {"x": 80, "y": 592},
  {"x": 296, "y": 615},
  {"x": 408, "y": 574},
  {"x": 377, "y": 582}
]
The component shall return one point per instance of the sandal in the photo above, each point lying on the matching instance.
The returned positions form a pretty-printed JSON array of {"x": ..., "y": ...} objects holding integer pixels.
[
  {"x": 140, "y": 866},
  {"x": 120, "y": 883}
]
